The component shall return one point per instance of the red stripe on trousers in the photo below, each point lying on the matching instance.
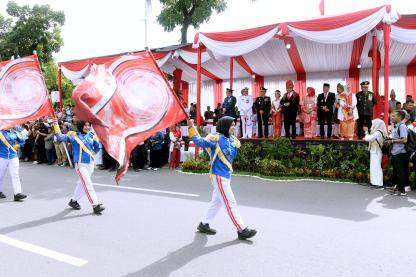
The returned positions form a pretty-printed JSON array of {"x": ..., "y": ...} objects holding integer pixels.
[
  {"x": 227, "y": 205},
  {"x": 84, "y": 185}
]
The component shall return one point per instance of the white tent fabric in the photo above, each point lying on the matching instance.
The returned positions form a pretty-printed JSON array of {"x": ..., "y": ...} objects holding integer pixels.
[
  {"x": 270, "y": 59},
  {"x": 238, "y": 48},
  {"x": 343, "y": 34},
  {"x": 318, "y": 57},
  {"x": 403, "y": 35},
  {"x": 191, "y": 57}
]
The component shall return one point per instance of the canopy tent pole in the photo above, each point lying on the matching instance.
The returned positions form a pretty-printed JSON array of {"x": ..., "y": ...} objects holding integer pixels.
[
  {"x": 374, "y": 72},
  {"x": 60, "y": 87},
  {"x": 177, "y": 79},
  {"x": 231, "y": 72},
  {"x": 198, "y": 95},
  {"x": 386, "y": 32},
  {"x": 198, "y": 88}
]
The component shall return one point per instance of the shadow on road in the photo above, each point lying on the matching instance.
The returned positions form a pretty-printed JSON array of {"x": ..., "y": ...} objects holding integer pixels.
[
  {"x": 61, "y": 216},
  {"x": 179, "y": 258}
]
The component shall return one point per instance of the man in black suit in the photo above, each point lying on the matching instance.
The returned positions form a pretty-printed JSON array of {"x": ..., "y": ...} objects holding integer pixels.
[
  {"x": 290, "y": 105},
  {"x": 326, "y": 101}
]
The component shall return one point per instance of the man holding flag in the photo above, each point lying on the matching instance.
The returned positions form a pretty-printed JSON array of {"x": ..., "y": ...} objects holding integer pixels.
[{"x": 24, "y": 97}]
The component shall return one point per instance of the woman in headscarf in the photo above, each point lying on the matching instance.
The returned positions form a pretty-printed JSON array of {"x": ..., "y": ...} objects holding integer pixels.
[
  {"x": 376, "y": 138},
  {"x": 309, "y": 113},
  {"x": 277, "y": 114},
  {"x": 347, "y": 113},
  {"x": 84, "y": 145},
  {"x": 222, "y": 148}
]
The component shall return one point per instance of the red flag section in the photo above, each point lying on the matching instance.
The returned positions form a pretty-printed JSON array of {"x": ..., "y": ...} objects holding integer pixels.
[
  {"x": 127, "y": 100},
  {"x": 322, "y": 8},
  {"x": 23, "y": 93}
]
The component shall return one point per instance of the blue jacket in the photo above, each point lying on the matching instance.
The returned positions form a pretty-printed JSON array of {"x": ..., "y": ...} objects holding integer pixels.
[
  {"x": 12, "y": 138},
  {"x": 228, "y": 147},
  {"x": 92, "y": 145},
  {"x": 157, "y": 141}
]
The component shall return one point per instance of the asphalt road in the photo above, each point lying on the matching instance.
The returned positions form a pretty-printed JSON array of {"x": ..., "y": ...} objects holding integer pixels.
[{"x": 305, "y": 228}]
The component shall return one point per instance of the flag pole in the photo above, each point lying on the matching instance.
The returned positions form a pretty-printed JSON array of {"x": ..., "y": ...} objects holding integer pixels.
[{"x": 50, "y": 103}]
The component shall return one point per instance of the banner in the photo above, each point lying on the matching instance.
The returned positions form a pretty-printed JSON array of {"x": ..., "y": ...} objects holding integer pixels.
[
  {"x": 23, "y": 93},
  {"x": 127, "y": 100}
]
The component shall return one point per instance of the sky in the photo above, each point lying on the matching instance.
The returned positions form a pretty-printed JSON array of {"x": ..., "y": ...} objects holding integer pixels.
[{"x": 104, "y": 27}]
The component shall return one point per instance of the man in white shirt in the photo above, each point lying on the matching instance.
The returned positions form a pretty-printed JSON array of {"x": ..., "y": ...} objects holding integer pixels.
[{"x": 245, "y": 105}]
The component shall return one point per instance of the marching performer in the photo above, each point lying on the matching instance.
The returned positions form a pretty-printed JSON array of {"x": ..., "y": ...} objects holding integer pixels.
[
  {"x": 10, "y": 141},
  {"x": 222, "y": 148},
  {"x": 84, "y": 146},
  {"x": 245, "y": 105}
]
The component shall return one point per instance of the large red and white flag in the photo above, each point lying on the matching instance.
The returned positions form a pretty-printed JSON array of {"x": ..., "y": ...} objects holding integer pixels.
[
  {"x": 23, "y": 93},
  {"x": 127, "y": 100}
]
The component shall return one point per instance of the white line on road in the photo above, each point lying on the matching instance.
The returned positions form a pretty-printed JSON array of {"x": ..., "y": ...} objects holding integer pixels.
[
  {"x": 43, "y": 251},
  {"x": 149, "y": 190}
]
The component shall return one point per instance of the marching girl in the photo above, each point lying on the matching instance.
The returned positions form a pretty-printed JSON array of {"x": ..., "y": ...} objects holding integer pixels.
[
  {"x": 10, "y": 141},
  {"x": 222, "y": 148},
  {"x": 84, "y": 145}
]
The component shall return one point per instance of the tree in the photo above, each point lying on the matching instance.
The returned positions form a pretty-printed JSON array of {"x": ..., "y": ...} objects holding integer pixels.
[
  {"x": 29, "y": 29},
  {"x": 187, "y": 13}
]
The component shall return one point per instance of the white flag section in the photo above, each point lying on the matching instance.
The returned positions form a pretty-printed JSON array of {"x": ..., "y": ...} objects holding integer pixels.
[{"x": 148, "y": 8}]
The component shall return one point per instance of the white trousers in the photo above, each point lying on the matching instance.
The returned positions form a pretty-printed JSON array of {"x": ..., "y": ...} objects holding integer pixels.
[
  {"x": 84, "y": 184},
  {"x": 222, "y": 195},
  {"x": 247, "y": 125},
  {"x": 376, "y": 172},
  {"x": 13, "y": 165}
]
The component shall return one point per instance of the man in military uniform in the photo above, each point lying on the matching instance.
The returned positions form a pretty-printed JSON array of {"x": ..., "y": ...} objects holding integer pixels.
[
  {"x": 245, "y": 105},
  {"x": 290, "y": 105},
  {"x": 263, "y": 105},
  {"x": 228, "y": 105},
  {"x": 366, "y": 100}
]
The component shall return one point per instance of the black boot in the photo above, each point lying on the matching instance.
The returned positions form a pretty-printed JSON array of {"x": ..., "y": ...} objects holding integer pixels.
[
  {"x": 2, "y": 195},
  {"x": 98, "y": 208},
  {"x": 19, "y": 197},
  {"x": 246, "y": 234},
  {"x": 74, "y": 204},
  {"x": 204, "y": 228}
]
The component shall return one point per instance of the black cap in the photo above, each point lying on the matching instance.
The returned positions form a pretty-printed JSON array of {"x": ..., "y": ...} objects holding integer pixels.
[
  {"x": 326, "y": 85},
  {"x": 230, "y": 90},
  {"x": 263, "y": 88},
  {"x": 365, "y": 83}
]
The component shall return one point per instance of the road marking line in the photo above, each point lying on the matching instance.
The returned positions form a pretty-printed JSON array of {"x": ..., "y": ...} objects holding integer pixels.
[
  {"x": 43, "y": 251},
  {"x": 149, "y": 190}
]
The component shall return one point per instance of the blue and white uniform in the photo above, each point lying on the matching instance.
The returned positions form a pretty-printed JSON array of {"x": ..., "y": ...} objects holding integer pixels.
[
  {"x": 9, "y": 158},
  {"x": 84, "y": 162},
  {"x": 223, "y": 150}
]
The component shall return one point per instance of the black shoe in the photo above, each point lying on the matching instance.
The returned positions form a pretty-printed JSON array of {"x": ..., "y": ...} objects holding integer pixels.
[
  {"x": 74, "y": 204},
  {"x": 246, "y": 234},
  {"x": 112, "y": 169},
  {"x": 204, "y": 228},
  {"x": 2, "y": 195},
  {"x": 98, "y": 208},
  {"x": 103, "y": 168},
  {"x": 19, "y": 197}
]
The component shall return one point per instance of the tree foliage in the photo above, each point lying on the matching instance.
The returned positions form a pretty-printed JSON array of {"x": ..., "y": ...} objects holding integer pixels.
[
  {"x": 28, "y": 29},
  {"x": 187, "y": 13}
]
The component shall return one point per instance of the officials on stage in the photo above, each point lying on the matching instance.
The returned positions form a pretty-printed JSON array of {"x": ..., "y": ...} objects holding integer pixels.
[
  {"x": 245, "y": 106},
  {"x": 229, "y": 103},
  {"x": 326, "y": 101},
  {"x": 263, "y": 106},
  {"x": 366, "y": 100},
  {"x": 290, "y": 105}
]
